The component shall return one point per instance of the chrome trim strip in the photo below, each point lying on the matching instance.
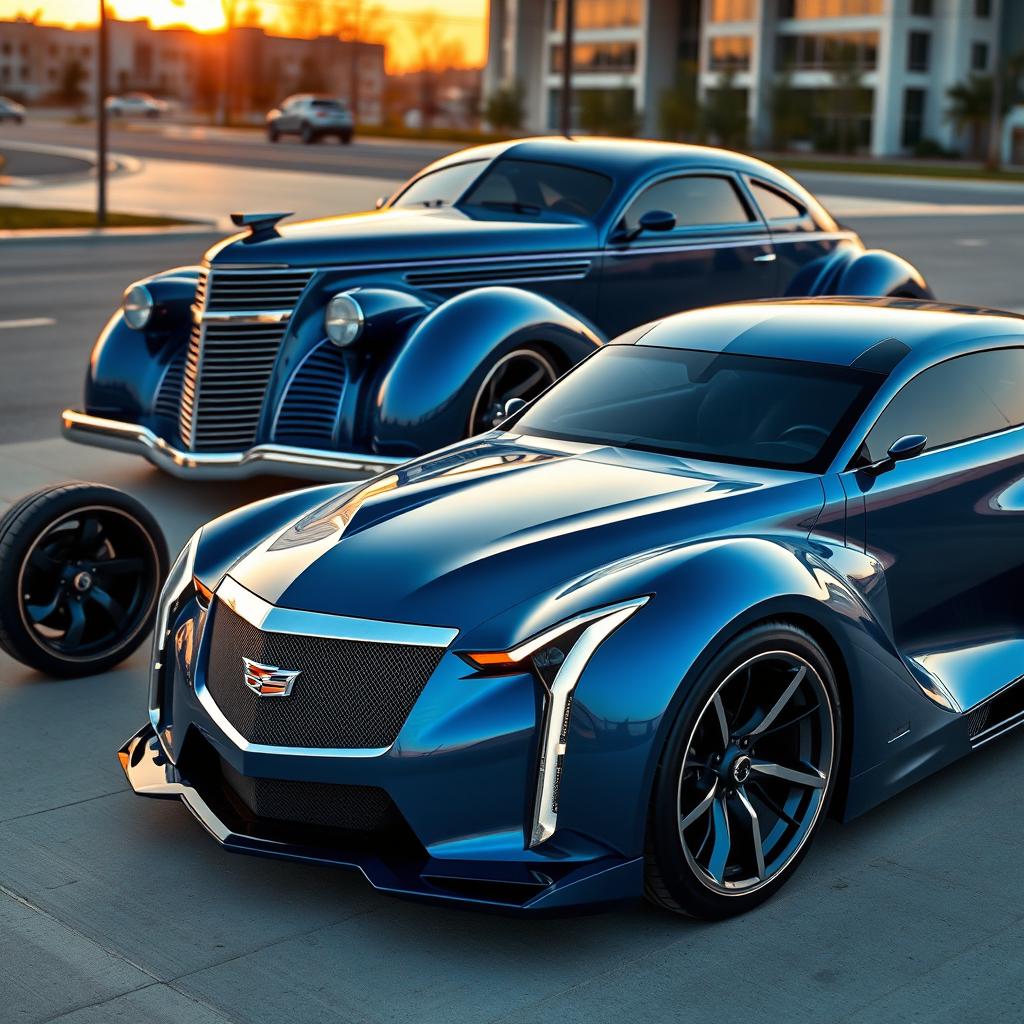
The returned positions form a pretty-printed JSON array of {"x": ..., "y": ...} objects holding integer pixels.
[
  {"x": 272, "y": 618},
  {"x": 993, "y": 732},
  {"x": 558, "y": 706},
  {"x": 242, "y": 316},
  {"x": 314, "y": 463}
]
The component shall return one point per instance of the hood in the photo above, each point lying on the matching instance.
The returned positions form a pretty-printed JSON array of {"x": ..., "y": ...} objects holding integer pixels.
[
  {"x": 466, "y": 534},
  {"x": 406, "y": 234}
]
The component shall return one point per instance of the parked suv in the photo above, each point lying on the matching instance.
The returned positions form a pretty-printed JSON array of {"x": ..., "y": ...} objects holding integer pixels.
[{"x": 311, "y": 118}]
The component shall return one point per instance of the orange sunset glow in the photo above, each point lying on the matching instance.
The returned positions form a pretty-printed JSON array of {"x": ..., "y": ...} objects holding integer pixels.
[{"x": 460, "y": 24}]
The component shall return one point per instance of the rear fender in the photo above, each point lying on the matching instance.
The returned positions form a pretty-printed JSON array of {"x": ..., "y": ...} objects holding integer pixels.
[
  {"x": 428, "y": 389},
  {"x": 874, "y": 272}
]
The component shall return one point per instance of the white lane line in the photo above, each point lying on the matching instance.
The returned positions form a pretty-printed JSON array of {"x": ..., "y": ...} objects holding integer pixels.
[{"x": 32, "y": 321}]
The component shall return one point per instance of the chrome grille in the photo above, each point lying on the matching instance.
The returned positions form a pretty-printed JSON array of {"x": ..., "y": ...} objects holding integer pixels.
[
  {"x": 238, "y": 290},
  {"x": 350, "y": 693},
  {"x": 309, "y": 409},
  {"x": 230, "y": 361},
  {"x": 168, "y": 396}
]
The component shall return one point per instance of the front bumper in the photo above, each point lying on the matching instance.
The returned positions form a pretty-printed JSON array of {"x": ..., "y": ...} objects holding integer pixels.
[
  {"x": 506, "y": 886},
  {"x": 309, "y": 463}
]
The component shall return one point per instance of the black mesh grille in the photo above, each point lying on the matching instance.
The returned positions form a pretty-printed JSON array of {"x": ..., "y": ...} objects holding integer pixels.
[
  {"x": 350, "y": 693},
  {"x": 323, "y": 804}
]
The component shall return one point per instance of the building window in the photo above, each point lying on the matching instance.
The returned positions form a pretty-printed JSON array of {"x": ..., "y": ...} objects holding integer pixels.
[
  {"x": 729, "y": 53},
  {"x": 731, "y": 10},
  {"x": 828, "y": 52},
  {"x": 979, "y": 56},
  {"x": 913, "y": 117},
  {"x": 599, "y": 14},
  {"x": 597, "y": 57},
  {"x": 808, "y": 9},
  {"x": 918, "y": 45},
  {"x": 982, "y": 8},
  {"x": 922, "y": 8}
]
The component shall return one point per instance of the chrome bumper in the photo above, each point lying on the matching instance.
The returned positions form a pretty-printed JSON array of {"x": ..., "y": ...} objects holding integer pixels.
[{"x": 287, "y": 460}]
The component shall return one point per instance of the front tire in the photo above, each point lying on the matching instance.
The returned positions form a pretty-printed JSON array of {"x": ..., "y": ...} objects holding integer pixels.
[
  {"x": 522, "y": 373},
  {"x": 746, "y": 776},
  {"x": 308, "y": 135},
  {"x": 81, "y": 566},
  {"x": 272, "y": 135}
]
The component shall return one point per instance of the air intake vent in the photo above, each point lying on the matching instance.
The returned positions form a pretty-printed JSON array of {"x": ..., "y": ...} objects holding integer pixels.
[
  {"x": 228, "y": 291},
  {"x": 998, "y": 715},
  {"x": 168, "y": 397},
  {"x": 491, "y": 273},
  {"x": 309, "y": 410}
]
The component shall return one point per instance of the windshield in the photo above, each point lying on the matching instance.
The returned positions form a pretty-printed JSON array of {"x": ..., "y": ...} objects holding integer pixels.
[
  {"x": 529, "y": 186},
  {"x": 442, "y": 187},
  {"x": 751, "y": 410}
]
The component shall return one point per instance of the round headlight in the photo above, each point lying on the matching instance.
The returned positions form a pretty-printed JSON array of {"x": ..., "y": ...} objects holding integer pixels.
[
  {"x": 137, "y": 306},
  {"x": 343, "y": 320}
]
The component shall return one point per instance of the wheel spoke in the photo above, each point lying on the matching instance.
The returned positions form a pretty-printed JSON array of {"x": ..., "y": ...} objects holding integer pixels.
[
  {"x": 700, "y": 810},
  {"x": 778, "y": 707},
  {"x": 89, "y": 535},
  {"x": 722, "y": 843},
  {"x": 39, "y": 613},
  {"x": 43, "y": 561},
  {"x": 782, "y": 726},
  {"x": 521, "y": 389},
  {"x": 773, "y": 805},
  {"x": 73, "y": 636},
  {"x": 755, "y": 831},
  {"x": 120, "y": 566},
  {"x": 812, "y": 778},
  {"x": 723, "y": 725},
  {"x": 113, "y": 609}
]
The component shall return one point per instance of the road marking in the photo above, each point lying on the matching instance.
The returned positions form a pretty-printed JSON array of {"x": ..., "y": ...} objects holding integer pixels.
[{"x": 32, "y": 321}]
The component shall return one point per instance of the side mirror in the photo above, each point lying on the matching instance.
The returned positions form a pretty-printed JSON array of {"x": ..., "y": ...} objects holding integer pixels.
[
  {"x": 657, "y": 220},
  {"x": 381, "y": 200},
  {"x": 900, "y": 450},
  {"x": 512, "y": 406}
]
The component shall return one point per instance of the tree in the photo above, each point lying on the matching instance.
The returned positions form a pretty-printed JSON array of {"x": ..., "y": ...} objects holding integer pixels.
[
  {"x": 608, "y": 112},
  {"x": 847, "y": 97},
  {"x": 71, "y": 78},
  {"x": 724, "y": 114},
  {"x": 970, "y": 110},
  {"x": 504, "y": 108},
  {"x": 790, "y": 117},
  {"x": 678, "y": 110}
]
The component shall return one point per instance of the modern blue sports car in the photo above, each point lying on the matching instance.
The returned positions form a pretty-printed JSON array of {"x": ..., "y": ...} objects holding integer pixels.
[
  {"x": 739, "y": 569},
  {"x": 356, "y": 343}
]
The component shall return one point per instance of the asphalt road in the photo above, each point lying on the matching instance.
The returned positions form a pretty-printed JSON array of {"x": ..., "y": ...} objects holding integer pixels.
[{"x": 116, "y": 908}]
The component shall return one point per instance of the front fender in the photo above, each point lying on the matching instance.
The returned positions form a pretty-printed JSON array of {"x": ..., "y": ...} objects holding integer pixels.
[
  {"x": 428, "y": 390},
  {"x": 877, "y": 272},
  {"x": 643, "y": 676}
]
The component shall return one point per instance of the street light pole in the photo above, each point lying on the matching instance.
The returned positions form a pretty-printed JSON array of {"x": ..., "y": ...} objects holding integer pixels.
[
  {"x": 102, "y": 61},
  {"x": 567, "y": 48},
  {"x": 995, "y": 123}
]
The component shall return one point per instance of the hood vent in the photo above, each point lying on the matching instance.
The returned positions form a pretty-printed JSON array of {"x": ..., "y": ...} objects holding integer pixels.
[{"x": 492, "y": 273}]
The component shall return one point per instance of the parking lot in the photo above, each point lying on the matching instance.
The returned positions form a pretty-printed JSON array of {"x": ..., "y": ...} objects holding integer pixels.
[{"x": 116, "y": 908}]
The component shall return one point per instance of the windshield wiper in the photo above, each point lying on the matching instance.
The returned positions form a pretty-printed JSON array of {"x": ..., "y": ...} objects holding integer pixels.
[{"x": 514, "y": 205}]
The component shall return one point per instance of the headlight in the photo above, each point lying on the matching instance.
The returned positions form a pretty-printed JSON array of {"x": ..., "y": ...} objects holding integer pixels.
[
  {"x": 343, "y": 320},
  {"x": 137, "y": 306},
  {"x": 179, "y": 579},
  {"x": 557, "y": 657}
]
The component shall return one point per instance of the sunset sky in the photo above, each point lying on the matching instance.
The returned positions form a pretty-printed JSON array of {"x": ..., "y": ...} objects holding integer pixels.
[{"x": 460, "y": 22}]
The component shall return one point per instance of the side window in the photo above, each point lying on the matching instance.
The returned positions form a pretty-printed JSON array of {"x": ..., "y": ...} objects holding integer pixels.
[
  {"x": 774, "y": 204},
  {"x": 697, "y": 200},
  {"x": 962, "y": 398}
]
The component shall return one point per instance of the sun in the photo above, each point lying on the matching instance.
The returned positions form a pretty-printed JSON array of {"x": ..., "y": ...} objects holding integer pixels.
[{"x": 202, "y": 15}]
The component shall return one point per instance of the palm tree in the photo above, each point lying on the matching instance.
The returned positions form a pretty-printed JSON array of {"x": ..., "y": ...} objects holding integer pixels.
[{"x": 970, "y": 110}]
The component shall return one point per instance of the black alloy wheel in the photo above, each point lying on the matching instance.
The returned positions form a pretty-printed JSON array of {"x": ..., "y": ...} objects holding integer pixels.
[
  {"x": 523, "y": 373},
  {"x": 747, "y": 775},
  {"x": 81, "y": 566}
]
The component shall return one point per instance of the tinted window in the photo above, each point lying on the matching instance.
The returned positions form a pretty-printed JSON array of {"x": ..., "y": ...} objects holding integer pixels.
[
  {"x": 696, "y": 200},
  {"x": 441, "y": 187},
  {"x": 722, "y": 407},
  {"x": 774, "y": 205},
  {"x": 962, "y": 398},
  {"x": 529, "y": 186},
  {"x": 327, "y": 105}
]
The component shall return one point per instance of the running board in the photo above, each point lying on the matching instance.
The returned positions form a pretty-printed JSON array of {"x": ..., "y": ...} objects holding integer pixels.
[{"x": 1000, "y": 714}]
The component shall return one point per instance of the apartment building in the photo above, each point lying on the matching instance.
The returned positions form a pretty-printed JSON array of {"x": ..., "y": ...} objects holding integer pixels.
[{"x": 875, "y": 73}]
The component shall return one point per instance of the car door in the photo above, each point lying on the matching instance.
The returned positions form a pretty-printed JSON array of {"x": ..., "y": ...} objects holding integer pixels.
[
  {"x": 948, "y": 524},
  {"x": 802, "y": 246},
  {"x": 719, "y": 251},
  {"x": 289, "y": 120}
]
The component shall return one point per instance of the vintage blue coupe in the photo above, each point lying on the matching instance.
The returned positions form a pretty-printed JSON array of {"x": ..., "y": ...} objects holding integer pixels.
[
  {"x": 735, "y": 570},
  {"x": 358, "y": 342}
]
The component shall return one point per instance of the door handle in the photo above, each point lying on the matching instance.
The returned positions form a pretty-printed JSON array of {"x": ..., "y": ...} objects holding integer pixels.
[{"x": 768, "y": 257}]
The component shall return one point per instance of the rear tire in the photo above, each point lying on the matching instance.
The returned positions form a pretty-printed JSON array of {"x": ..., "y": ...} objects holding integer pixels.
[
  {"x": 272, "y": 135},
  {"x": 81, "y": 567},
  {"x": 727, "y": 829},
  {"x": 345, "y": 138},
  {"x": 308, "y": 135}
]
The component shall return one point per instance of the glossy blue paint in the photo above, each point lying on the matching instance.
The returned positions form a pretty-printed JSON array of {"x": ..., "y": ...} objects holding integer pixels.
[
  {"x": 906, "y": 578},
  {"x": 448, "y": 291}
]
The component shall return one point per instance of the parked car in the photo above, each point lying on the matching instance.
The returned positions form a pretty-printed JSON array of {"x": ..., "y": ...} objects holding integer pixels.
[
  {"x": 136, "y": 104},
  {"x": 356, "y": 343},
  {"x": 312, "y": 118},
  {"x": 737, "y": 570},
  {"x": 10, "y": 110}
]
